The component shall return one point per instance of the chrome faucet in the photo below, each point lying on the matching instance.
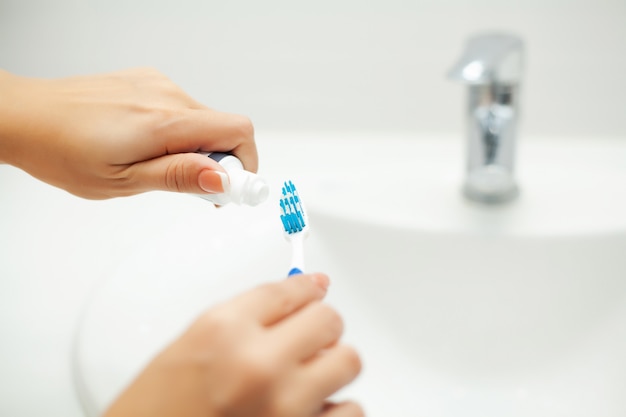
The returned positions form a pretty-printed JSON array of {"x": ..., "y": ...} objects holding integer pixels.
[{"x": 491, "y": 66}]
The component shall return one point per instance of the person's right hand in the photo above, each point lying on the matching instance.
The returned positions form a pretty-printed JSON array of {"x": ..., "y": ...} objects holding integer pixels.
[{"x": 271, "y": 352}]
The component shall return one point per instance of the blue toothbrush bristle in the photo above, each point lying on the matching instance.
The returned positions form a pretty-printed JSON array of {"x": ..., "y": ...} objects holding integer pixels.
[{"x": 291, "y": 209}]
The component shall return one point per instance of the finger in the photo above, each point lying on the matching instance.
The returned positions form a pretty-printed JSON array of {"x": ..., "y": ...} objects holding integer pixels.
[
  {"x": 331, "y": 370},
  {"x": 271, "y": 303},
  {"x": 186, "y": 173},
  {"x": 342, "y": 409},
  {"x": 207, "y": 130},
  {"x": 305, "y": 333}
]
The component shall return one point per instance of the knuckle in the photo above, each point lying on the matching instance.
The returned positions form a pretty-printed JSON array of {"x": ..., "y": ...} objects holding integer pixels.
[
  {"x": 284, "y": 301},
  {"x": 216, "y": 323},
  {"x": 352, "y": 359},
  {"x": 176, "y": 176},
  {"x": 219, "y": 321},
  {"x": 244, "y": 126},
  {"x": 162, "y": 121},
  {"x": 268, "y": 290},
  {"x": 173, "y": 176},
  {"x": 354, "y": 410},
  {"x": 332, "y": 319}
]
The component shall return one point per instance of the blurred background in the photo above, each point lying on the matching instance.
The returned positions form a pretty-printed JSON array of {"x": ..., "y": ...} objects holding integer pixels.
[
  {"x": 324, "y": 65},
  {"x": 336, "y": 64}
]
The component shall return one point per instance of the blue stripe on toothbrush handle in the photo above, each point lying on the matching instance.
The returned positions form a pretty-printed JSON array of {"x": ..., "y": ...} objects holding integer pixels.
[{"x": 295, "y": 271}]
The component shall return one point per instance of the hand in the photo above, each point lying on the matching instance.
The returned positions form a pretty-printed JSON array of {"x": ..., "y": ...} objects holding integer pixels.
[
  {"x": 270, "y": 352},
  {"x": 117, "y": 134}
]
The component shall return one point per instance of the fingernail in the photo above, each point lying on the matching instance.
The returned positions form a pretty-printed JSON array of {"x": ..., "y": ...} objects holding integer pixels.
[
  {"x": 214, "y": 181},
  {"x": 321, "y": 280}
]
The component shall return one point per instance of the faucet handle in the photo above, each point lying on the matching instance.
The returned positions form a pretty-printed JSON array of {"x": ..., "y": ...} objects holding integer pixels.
[{"x": 488, "y": 58}]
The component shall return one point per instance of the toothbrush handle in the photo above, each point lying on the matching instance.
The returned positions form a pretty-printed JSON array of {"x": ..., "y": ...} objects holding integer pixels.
[{"x": 297, "y": 255}]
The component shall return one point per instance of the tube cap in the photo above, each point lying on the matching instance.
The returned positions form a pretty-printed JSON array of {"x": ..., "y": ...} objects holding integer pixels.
[{"x": 257, "y": 191}]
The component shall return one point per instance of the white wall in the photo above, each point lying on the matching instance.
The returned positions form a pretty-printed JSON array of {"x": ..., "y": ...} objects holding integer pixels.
[
  {"x": 316, "y": 65},
  {"x": 336, "y": 64}
]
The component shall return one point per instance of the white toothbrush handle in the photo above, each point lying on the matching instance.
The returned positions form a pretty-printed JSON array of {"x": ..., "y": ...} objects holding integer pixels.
[{"x": 297, "y": 254}]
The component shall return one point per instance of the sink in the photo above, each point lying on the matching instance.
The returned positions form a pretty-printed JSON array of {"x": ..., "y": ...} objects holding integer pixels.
[{"x": 458, "y": 309}]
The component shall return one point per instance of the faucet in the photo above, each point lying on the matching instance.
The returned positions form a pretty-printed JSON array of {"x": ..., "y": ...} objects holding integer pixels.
[{"x": 491, "y": 66}]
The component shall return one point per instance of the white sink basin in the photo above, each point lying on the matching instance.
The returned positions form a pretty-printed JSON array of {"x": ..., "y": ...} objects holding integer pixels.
[{"x": 458, "y": 309}]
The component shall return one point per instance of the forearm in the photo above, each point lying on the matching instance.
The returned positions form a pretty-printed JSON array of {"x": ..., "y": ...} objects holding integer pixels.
[{"x": 7, "y": 123}]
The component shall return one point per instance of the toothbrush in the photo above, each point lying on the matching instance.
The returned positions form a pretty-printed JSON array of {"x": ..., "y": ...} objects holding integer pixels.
[{"x": 296, "y": 225}]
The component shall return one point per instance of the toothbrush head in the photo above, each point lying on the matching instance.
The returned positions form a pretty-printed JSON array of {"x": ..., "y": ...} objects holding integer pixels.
[{"x": 293, "y": 215}]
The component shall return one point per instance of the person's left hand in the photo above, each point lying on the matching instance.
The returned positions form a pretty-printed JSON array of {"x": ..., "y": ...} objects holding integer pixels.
[
  {"x": 272, "y": 351},
  {"x": 117, "y": 134}
]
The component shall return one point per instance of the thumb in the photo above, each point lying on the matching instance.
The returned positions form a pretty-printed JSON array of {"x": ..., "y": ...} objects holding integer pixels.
[{"x": 183, "y": 173}]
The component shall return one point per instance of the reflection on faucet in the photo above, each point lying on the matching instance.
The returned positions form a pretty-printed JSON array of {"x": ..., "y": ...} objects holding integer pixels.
[{"x": 492, "y": 67}]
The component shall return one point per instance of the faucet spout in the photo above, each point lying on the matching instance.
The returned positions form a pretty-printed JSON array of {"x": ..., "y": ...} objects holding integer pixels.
[
  {"x": 491, "y": 66},
  {"x": 490, "y": 58}
]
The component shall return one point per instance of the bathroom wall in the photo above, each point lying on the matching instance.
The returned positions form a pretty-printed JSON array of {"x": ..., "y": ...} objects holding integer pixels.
[
  {"x": 319, "y": 65},
  {"x": 336, "y": 64}
]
